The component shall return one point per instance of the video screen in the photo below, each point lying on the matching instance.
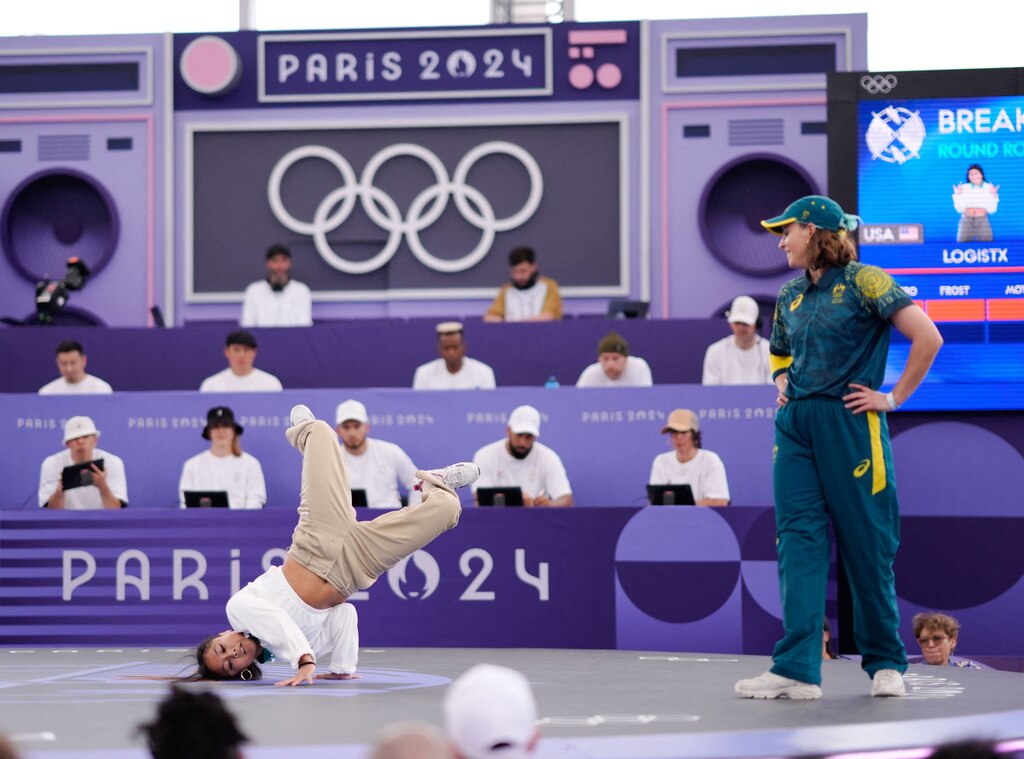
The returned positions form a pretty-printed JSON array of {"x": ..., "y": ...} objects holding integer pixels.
[{"x": 940, "y": 191}]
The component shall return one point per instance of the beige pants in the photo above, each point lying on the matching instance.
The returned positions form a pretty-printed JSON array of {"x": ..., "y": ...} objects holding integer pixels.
[{"x": 329, "y": 541}]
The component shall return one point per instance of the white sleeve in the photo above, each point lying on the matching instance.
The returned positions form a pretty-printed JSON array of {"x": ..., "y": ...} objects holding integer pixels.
[
  {"x": 255, "y": 485},
  {"x": 766, "y": 376},
  {"x": 556, "y": 481},
  {"x": 586, "y": 378},
  {"x": 644, "y": 378},
  {"x": 275, "y": 629},
  {"x": 116, "y": 479},
  {"x": 249, "y": 308},
  {"x": 712, "y": 370},
  {"x": 342, "y": 628},
  {"x": 715, "y": 484},
  {"x": 305, "y": 318},
  {"x": 990, "y": 199},
  {"x": 186, "y": 482},
  {"x": 487, "y": 380},
  {"x": 656, "y": 477},
  {"x": 49, "y": 476},
  {"x": 958, "y": 201},
  {"x": 418, "y": 380}
]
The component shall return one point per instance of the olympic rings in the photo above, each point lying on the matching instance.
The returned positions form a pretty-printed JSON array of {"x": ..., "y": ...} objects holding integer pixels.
[
  {"x": 426, "y": 208},
  {"x": 878, "y": 84}
]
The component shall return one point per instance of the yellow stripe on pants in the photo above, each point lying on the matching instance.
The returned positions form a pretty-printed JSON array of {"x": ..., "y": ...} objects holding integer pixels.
[{"x": 877, "y": 457}]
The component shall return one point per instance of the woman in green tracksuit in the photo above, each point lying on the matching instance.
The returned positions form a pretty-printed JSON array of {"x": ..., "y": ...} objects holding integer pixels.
[{"x": 833, "y": 462}]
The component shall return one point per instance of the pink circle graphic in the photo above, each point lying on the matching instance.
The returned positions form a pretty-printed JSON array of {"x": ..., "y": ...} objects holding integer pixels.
[
  {"x": 210, "y": 66},
  {"x": 581, "y": 76},
  {"x": 609, "y": 76}
]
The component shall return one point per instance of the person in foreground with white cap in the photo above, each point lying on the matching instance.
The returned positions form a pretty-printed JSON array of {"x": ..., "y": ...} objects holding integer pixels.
[
  {"x": 490, "y": 712},
  {"x": 224, "y": 465},
  {"x": 102, "y": 487},
  {"x": 741, "y": 358},
  {"x": 296, "y": 612},
  {"x": 833, "y": 468},
  {"x": 376, "y": 466},
  {"x": 518, "y": 460},
  {"x": 454, "y": 370},
  {"x": 615, "y": 367},
  {"x": 688, "y": 463}
]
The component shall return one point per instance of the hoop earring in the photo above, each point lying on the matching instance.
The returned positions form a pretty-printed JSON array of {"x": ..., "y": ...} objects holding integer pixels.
[{"x": 245, "y": 672}]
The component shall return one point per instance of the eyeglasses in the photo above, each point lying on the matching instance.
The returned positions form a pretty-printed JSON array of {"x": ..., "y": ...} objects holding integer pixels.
[{"x": 934, "y": 640}]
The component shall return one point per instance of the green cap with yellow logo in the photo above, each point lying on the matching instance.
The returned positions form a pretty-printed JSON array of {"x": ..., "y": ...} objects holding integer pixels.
[{"x": 818, "y": 210}]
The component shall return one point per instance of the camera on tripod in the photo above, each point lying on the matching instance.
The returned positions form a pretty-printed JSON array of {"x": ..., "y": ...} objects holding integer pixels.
[{"x": 52, "y": 294}]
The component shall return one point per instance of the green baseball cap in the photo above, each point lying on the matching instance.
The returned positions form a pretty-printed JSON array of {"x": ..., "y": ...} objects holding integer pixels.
[{"x": 818, "y": 210}]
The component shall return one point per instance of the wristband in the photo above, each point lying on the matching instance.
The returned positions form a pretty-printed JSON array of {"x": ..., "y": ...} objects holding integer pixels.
[{"x": 893, "y": 405}]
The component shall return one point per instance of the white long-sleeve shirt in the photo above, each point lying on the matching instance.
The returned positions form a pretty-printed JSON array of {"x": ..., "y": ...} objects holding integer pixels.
[
  {"x": 288, "y": 627},
  {"x": 265, "y": 307},
  {"x": 975, "y": 196},
  {"x": 240, "y": 476}
]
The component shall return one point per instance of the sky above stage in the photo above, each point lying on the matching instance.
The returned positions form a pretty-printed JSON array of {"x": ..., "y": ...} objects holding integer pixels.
[{"x": 901, "y": 36}]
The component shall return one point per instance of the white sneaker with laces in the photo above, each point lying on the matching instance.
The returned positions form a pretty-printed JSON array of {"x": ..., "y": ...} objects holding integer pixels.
[
  {"x": 888, "y": 682},
  {"x": 770, "y": 685},
  {"x": 301, "y": 413},
  {"x": 458, "y": 475}
]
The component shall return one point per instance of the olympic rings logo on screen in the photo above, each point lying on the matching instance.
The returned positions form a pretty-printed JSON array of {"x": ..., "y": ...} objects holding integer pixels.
[
  {"x": 425, "y": 209},
  {"x": 879, "y": 84}
]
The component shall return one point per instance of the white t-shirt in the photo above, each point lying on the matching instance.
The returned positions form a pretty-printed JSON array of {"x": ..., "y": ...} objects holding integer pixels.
[
  {"x": 291, "y": 307},
  {"x": 473, "y": 375},
  {"x": 540, "y": 472},
  {"x": 89, "y": 385},
  {"x": 87, "y": 496},
  {"x": 379, "y": 471},
  {"x": 704, "y": 473},
  {"x": 271, "y": 610},
  {"x": 241, "y": 476},
  {"x": 726, "y": 363},
  {"x": 636, "y": 374},
  {"x": 226, "y": 381},
  {"x": 975, "y": 196}
]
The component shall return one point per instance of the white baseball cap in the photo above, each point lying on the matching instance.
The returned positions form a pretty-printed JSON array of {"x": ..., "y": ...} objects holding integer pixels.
[
  {"x": 79, "y": 426},
  {"x": 490, "y": 713},
  {"x": 744, "y": 310},
  {"x": 350, "y": 410},
  {"x": 524, "y": 420}
]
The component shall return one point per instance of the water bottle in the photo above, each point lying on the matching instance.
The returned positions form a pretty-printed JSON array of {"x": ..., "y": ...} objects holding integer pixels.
[{"x": 551, "y": 382}]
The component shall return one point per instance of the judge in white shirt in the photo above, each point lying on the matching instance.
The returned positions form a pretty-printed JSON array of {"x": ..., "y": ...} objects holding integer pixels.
[
  {"x": 225, "y": 466},
  {"x": 518, "y": 460},
  {"x": 742, "y": 357},
  {"x": 689, "y": 464},
  {"x": 375, "y": 466},
  {"x": 101, "y": 488},
  {"x": 615, "y": 367},
  {"x": 454, "y": 370},
  {"x": 73, "y": 380},
  {"x": 241, "y": 376},
  {"x": 278, "y": 300}
]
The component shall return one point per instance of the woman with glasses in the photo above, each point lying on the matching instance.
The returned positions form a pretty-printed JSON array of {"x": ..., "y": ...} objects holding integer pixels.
[{"x": 937, "y": 635}]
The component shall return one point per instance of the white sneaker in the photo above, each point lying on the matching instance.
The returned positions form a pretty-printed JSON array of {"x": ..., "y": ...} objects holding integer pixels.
[
  {"x": 300, "y": 414},
  {"x": 458, "y": 475},
  {"x": 770, "y": 685},
  {"x": 888, "y": 682}
]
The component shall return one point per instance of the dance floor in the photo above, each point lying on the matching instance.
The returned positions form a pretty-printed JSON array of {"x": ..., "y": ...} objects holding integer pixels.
[{"x": 86, "y": 704}]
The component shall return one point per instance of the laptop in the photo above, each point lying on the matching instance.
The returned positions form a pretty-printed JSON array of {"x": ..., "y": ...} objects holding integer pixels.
[
  {"x": 359, "y": 498},
  {"x": 79, "y": 475},
  {"x": 206, "y": 499},
  {"x": 670, "y": 495},
  {"x": 499, "y": 496},
  {"x": 628, "y": 309}
]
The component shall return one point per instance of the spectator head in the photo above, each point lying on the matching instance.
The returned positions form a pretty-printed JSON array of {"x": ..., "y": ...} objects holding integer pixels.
[
  {"x": 71, "y": 361},
  {"x": 352, "y": 424},
  {"x": 490, "y": 713},
  {"x": 522, "y": 263},
  {"x": 279, "y": 266},
  {"x": 612, "y": 354},
  {"x": 451, "y": 344},
  {"x": 684, "y": 428},
  {"x": 80, "y": 435},
  {"x": 937, "y": 635},
  {"x": 411, "y": 740},
  {"x": 222, "y": 430},
  {"x": 240, "y": 352},
  {"x": 523, "y": 429},
  {"x": 193, "y": 724}
]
